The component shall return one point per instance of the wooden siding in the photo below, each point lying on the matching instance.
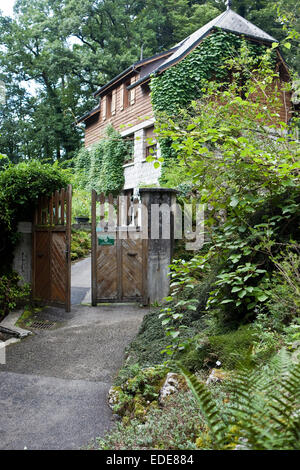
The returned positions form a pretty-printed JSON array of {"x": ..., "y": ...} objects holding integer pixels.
[
  {"x": 137, "y": 108},
  {"x": 121, "y": 107}
]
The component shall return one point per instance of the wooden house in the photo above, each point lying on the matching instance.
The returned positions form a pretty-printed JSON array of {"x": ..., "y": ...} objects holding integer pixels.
[{"x": 125, "y": 101}]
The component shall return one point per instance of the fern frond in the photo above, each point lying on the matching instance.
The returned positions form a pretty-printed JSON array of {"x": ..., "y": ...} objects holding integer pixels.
[{"x": 208, "y": 406}]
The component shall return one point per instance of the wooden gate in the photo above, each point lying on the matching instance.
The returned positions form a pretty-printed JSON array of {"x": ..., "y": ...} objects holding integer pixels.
[
  {"x": 119, "y": 251},
  {"x": 51, "y": 277}
]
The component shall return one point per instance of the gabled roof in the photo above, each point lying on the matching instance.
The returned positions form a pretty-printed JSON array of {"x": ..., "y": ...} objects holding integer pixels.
[
  {"x": 229, "y": 21},
  {"x": 134, "y": 68}
]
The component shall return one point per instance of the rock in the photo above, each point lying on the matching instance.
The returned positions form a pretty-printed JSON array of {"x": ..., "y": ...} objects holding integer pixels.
[
  {"x": 216, "y": 375},
  {"x": 173, "y": 383},
  {"x": 113, "y": 396}
]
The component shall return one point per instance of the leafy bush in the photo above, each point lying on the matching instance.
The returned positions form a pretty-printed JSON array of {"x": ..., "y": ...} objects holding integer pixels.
[
  {"x": 11, "y": 293},
  {"x": 22, "y": 184},
  {"x": 20, "y": 187},
  {"x": 80, "y": 244}
]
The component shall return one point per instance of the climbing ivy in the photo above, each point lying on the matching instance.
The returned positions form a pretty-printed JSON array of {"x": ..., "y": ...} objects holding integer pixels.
[
  {"x": 179, "y": 85},
  {"x": 101, "y": 166},
  {"x": 112, "y": 172},
  {"x": 183, "y": 83}
]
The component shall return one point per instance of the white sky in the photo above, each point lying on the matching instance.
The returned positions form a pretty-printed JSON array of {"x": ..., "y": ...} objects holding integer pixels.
[{"x": 6, "y": 6}]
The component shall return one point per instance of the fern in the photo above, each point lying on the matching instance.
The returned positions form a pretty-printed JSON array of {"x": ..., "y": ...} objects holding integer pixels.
[
  {"x": 264, "y": 407},
  {"x": 208, "y": 407}
]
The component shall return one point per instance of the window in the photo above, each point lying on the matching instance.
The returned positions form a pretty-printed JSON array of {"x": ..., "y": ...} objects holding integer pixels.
[
  {"x": 151, "y": 144},
  {"x": 129, "y": 141},
  {"x": 145, "y": 88}
]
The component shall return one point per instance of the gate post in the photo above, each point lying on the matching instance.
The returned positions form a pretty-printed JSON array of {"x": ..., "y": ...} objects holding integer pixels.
[
  {"x": 22, "y": 262},
  {"x": 160, "y": 239}
]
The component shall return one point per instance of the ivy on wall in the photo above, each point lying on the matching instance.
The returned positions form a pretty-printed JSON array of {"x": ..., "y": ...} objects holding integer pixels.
[
  {"x": 101, "y": 167},
  {"x": 182, "y": 83}
]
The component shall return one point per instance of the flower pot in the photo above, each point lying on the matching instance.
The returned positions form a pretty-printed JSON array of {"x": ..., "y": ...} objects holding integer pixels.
[{"x": 82, "y": 220}]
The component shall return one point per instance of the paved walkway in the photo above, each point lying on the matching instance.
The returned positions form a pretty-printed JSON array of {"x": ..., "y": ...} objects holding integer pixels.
[
  {"x": 81, "y": 282},
  {"x": 53, "y": 388}
]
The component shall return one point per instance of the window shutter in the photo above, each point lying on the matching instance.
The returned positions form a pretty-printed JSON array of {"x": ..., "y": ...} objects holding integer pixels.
[
  {"x": 104, "y": 108},
  {"x": 122, "y": 95},
  {"x": 132, "y": 92},
  {"x": 114, "y": 102}
]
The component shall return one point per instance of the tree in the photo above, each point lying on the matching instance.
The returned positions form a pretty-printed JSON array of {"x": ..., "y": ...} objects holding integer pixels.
[{"x": 55, "y": 54}]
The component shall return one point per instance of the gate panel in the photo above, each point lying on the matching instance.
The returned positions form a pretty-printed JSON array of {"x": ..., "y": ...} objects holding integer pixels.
[
  {"x": 107, "y": 272},
  {"x": 118, "y": 256},
  {"x": 51, "y": 277},
  {"x": 132, "y": 268},
  {"x": 41, "y": 252},
  {"x": 59, "y": 267}
]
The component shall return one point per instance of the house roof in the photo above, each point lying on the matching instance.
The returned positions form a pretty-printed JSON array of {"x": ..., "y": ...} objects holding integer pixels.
[
  {"x": 229, "y": 21},
  {"x": 88, "y": 114},
  {"x": 134, "y": 68}
]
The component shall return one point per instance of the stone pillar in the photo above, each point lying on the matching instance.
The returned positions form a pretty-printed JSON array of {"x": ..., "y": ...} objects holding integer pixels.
[
  {"x": 160, "y": 243},
  {"x": 22, "y": 262}
]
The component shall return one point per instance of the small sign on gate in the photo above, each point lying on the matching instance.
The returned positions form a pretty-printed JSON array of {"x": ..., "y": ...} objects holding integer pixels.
[{"x": 105, "y": 240}]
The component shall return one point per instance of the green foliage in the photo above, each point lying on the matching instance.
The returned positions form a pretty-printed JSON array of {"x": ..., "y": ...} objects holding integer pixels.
[
  {"x": 81, "y": 203},
  {"x": 174, "y": 427},
  {"x": 80, "y": 244},
  {"x": 22, "y": 184},
  {"x": 232, "y": 349},
  {"x": 251, "y": 193},
  {"x": 101, "y": 167},
  {"x": 11, "y": 293},
  {"x": 139, "y": 392},
  {"x": 183, "y": 83},
  {"x": 263, "y": 410},
  {"x": 115, "y": 151},
  {"x": 20, "y": 187}
]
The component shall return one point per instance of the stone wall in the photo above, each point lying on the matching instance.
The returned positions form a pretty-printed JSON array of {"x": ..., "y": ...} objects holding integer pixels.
[
  {"x": 140, "y": 172},
  {"x": 22, "y": 262}
]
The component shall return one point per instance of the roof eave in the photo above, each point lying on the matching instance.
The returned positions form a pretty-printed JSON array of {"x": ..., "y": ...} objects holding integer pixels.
[
  {"x": 133, "y": 68},
  {"x": 87, "y": 115}
]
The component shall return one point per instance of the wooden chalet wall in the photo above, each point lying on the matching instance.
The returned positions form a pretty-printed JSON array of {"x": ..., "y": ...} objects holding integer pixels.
[{"x": 117, "y": 114}]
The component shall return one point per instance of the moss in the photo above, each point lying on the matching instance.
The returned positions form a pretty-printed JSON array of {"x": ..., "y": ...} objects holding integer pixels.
[
  {"x": 28, "y": 316},
  {"x": 137, "y": 391},
  {"x": 232, "y": 349}
]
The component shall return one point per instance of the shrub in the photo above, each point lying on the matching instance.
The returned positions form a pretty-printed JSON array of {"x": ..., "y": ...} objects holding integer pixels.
[
  {"x": 20, "y": 187},
  {"x": 80, "y": 244},
  {"x": 11, "y": 293}
]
